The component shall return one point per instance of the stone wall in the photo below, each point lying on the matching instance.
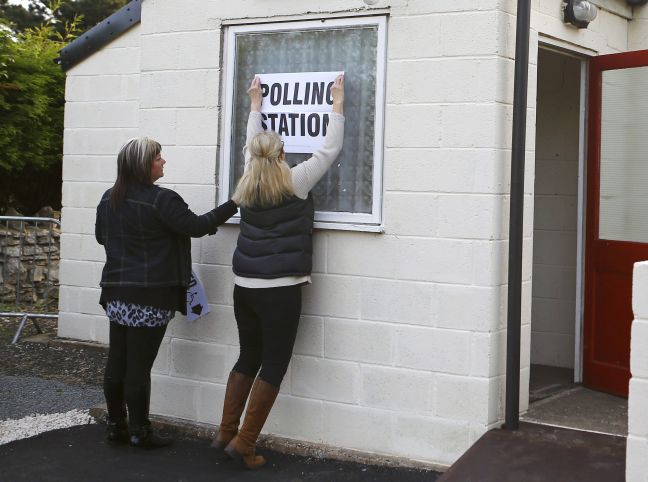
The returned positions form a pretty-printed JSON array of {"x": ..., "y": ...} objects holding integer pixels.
[{"x": 29, "y": 260}]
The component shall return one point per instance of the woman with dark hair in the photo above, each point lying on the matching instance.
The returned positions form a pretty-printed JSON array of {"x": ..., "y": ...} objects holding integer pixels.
[
  {"x": 145, "y": 230},
  {"x": 272, "y": 261}
]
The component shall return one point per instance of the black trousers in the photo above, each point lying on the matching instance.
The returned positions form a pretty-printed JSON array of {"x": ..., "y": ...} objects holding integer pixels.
[
  {"x": 127, "y": 379},
  {"x": 267, "y": 320}
]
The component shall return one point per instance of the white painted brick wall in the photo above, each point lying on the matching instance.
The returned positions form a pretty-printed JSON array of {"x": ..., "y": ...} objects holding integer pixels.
[
  {"x": 397, "y": 389},
  {"x": 608, "y": 33},
  {"x": 325, "y": 379},
  {"x": 437, "y": 350},
  {"x": 177, "y": 397},
  {"x": 416, "y": 301},
  {"x": 638, "y": 29},
  {"x": 198, "y": 360},
  {"x": 295, "y": 417},
  {"x": 397, "y": 327},
  {"x": 181, "y": 51},
  {"x": 101, "y": 112},
  {"x": 366, "y": 342},
  {"x": 637, "y": 448},
  {"x": 430, "y": 438}
]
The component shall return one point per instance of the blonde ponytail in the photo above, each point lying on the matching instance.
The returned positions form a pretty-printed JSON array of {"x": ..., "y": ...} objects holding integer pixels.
[{"x": 267, "y": 180}]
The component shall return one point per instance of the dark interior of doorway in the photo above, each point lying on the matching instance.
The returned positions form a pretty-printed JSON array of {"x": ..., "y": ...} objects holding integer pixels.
[{"x": 554, "y": 397}]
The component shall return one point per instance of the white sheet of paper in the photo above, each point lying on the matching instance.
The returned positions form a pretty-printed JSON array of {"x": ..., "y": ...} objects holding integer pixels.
[
  {"x": 197, "y": 305},
  {"x": 296, "y": 106}
]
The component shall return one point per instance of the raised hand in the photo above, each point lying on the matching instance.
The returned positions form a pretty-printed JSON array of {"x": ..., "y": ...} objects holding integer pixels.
[
  {"x": 337, "y": 92},
  {"x": 254, "y": 92}
]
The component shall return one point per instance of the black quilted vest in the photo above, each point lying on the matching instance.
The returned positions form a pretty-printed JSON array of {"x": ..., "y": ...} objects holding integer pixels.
[{"x": 277, "y": 241}]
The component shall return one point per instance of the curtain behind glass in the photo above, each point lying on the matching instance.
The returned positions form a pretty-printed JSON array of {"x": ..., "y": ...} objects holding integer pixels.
[
  {"x": 624, "y": 163},
  {"x": 347, "y": 185}
]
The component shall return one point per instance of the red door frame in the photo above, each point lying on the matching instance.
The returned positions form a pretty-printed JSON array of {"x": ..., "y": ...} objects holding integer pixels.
[{"x": 597, "y": 374}]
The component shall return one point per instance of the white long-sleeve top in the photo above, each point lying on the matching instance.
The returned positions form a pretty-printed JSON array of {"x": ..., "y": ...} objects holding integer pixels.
[{"x": 304, "y": 178}]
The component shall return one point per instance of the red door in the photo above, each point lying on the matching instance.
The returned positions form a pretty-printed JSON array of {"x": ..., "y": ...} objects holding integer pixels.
[{"x": 617, "y": 214}]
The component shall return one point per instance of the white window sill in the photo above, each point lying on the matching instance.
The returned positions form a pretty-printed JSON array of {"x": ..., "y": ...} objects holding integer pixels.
[{"x": 333, "y": 226}]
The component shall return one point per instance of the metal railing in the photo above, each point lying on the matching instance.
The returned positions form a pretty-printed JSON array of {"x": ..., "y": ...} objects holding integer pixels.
[{"x": 29, "y": 256}]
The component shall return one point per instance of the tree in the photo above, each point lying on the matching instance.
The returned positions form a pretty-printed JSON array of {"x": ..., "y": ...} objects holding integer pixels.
[
  {"x": 88, "y": 13},
  {"x": 32, "y": 95},
  {"x": 91, "y": 11},
  {"x": 31, "y": 108},
  {"x": 18, "y": 18}
]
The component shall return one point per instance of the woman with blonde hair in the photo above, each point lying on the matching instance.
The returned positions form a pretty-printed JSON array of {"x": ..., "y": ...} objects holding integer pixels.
[
  {"x": 145, "y": 230},
  {"x": 272, "y": 261}
]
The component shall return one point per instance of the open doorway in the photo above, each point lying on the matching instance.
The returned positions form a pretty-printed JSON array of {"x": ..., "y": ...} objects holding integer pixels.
[{"x": 556, "y": 396}]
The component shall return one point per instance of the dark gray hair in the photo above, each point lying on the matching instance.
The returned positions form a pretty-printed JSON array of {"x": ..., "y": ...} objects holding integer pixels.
[{"x": 134, "y": 163}]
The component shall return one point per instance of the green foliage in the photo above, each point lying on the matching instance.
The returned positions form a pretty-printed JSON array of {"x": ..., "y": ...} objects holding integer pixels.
[
  {"x": 92, "y": 11},
  {"x": 32, "y": 97},
  {"x": 87, "y": 12},
  {"x": 18, "y": 18}
]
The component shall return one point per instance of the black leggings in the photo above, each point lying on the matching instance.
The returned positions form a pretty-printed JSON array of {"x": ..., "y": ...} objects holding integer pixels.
[
  {"x": 267, "y": 320},
  {"x": 127, "y": 380}
]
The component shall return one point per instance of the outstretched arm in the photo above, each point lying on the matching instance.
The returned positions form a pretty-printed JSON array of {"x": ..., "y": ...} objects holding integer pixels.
[
  {"x": 254, "y": 119},
  {"x": 308, "y": 173},
  {"x": 174, "y": 213}
]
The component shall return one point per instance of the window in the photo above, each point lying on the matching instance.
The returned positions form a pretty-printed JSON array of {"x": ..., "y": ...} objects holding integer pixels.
[{"x": 350, "y": 193}]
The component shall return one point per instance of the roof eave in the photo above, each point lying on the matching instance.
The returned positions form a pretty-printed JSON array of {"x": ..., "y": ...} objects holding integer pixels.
[{"x": 100, "y": 35}]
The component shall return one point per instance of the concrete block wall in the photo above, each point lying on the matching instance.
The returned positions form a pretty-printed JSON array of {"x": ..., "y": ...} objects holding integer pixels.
[
  {"x": 102, "y": 97},
  {"x": 402, "y": 343},
  {"x": 637, "y": 448},
  {"x": 408, "y": 350},
  {"x": 638, "y": 30},
  {"x": 608, "y": 33}
]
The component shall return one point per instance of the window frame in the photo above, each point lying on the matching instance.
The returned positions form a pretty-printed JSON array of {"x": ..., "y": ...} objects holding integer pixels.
[{"x": 323, "y": 219}]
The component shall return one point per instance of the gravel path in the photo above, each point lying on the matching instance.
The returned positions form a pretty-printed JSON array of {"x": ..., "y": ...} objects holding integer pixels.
[
  {"x": 22, "y": 396},
  {"x": 44, "y": 388}
]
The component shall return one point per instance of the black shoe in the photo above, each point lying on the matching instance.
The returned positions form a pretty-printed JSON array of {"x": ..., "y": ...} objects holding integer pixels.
[
  {"x": 117, "y": 432},
  {"x": 148, "y": 439}
]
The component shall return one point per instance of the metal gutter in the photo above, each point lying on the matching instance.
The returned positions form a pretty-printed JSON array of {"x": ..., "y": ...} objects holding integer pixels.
[
  {"x": 100, "y": 35},
  {"x": 514, "y": 312}
]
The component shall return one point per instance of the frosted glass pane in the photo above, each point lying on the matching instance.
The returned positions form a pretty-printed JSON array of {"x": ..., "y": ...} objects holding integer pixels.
[
  {"x": 623, "y": 208},
  {"x": 347, "y": 186}
]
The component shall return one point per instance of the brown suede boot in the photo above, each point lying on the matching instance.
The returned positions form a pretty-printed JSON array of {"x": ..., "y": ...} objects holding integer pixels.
[
  {"x": 236, "y": 394},
  {"x": 242, "y": 446}
]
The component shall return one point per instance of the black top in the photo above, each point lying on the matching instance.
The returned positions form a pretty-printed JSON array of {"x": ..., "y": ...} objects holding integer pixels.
[
  {"x": 147, "y": 243},
  {"x": 168, "y": 298},
  {"x": 277, "y": 241}
]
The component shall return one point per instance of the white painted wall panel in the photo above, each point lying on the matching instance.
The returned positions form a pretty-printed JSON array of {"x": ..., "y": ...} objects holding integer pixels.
[
  {"x": 636, "y": 460},
  {"x": 396, "y": 326}
]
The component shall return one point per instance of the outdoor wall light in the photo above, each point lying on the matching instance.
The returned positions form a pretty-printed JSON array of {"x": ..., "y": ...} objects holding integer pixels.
[{"x": 579, "y": 12}]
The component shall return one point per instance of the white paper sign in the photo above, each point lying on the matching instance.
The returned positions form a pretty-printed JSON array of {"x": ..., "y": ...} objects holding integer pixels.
[
  {"x": 297, "y": 107},
  {"x": 197, "y": 305}
]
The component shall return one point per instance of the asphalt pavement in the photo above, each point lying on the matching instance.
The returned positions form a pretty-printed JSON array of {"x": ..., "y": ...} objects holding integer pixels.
[
  {"x": 31, "y": 382},
  {"x": 81, "y": 454}
]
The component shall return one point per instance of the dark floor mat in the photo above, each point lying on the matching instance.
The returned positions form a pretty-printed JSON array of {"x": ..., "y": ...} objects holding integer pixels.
[{"x": 539, "y": 453}]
